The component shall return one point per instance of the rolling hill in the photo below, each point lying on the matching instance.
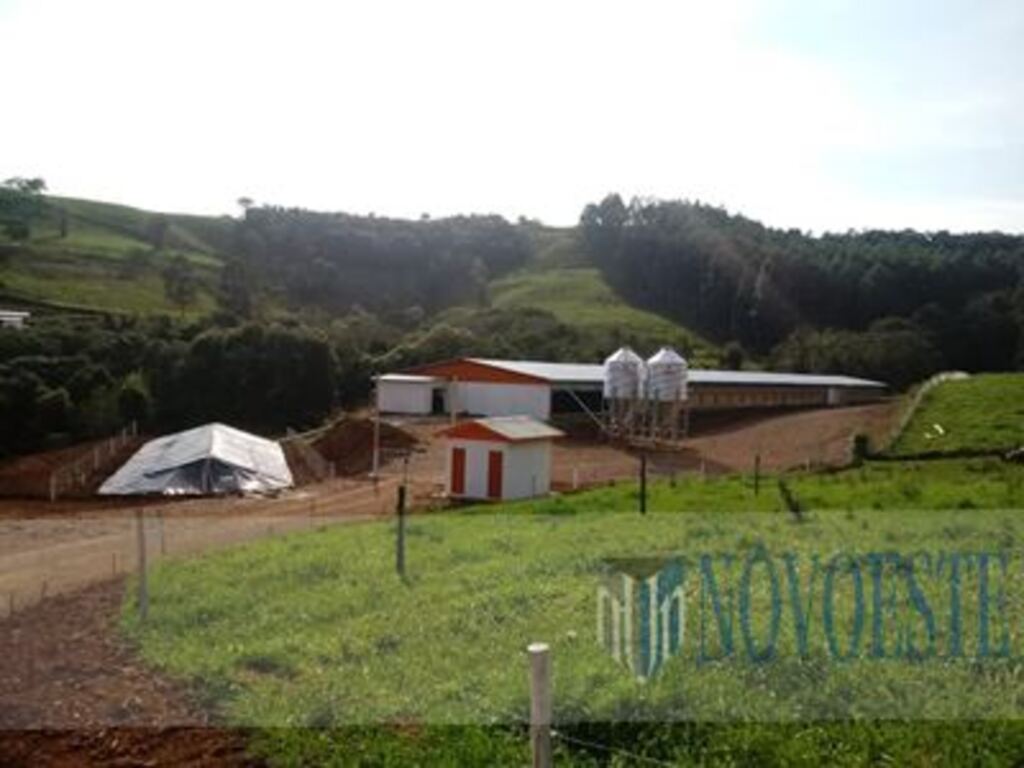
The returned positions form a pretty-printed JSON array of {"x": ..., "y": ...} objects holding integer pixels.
[
  {"x": 107, "y": 258},
  {"x": 981, "y": 414}
]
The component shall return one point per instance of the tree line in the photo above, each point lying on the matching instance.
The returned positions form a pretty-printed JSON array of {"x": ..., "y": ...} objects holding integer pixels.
[{"x": 890, "y": 305}]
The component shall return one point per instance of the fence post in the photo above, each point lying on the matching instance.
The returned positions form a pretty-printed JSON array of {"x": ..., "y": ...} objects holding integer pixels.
[
  {"x": 757, "y": 473},
  {"x": 643, "y": 483},
  {"x": 400, "y": 543},
  {"x": 140, "y": 528},
  {"x": 540, "y": 704},
  {"x": 53, "y": 486}
]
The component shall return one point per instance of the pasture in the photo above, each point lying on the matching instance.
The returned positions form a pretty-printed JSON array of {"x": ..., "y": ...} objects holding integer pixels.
[
  {"x": 314, "y": 641},
  {"x": 984, "y": 413}
]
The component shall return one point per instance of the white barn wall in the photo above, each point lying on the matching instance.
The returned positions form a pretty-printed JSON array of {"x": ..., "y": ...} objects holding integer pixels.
[
  {"x": 527, "y": 470},
  {"x": 414, "y": 397},
  {"x": 490, "y": 399},
  {"x": 477, "y": 452}
]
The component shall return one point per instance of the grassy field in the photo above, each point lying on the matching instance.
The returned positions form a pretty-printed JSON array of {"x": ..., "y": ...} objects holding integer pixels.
[
  {"x": 579, "y": 296},
  {"x": 315, "y": 629},
  {"x": 982, "y": 413},
  {"x": 107, "y": 262}
]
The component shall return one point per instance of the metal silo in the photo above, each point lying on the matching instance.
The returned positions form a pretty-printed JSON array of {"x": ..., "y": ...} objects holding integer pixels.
[
  {"x": 623, "y": 388},
  {"x": 665, "y": 392},
  {"x": 666, "y": 376}
]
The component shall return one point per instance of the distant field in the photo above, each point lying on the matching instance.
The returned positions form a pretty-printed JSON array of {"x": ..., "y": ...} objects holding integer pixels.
[
  {"x": 316, "y": 630},
  {"x": 107, "y": 261},
  {"x": 982, "y": 413},
  {"x": 579, "y": 296}
]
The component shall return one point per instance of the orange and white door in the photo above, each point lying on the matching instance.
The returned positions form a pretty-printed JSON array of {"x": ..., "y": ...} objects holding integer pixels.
[
  {"x": 495, "y": 474},
  {"x": 457, "y": 484}
]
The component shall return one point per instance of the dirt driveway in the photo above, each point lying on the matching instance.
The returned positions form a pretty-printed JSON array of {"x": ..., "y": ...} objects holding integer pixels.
[
  {"x": 45, "y": 552},
  {"x": 72, "y": 693}
]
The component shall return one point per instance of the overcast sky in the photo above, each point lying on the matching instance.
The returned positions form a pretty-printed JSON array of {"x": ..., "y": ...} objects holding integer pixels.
[{"x": 823, "y": 114}]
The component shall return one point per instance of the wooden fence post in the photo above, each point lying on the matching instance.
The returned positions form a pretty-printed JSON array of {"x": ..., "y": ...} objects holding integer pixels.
[
  {"x": 400, "y": 543},
  {"x": 140, "y": 528},
  {"x": 643, "y": 483},
  {"x": 540, "y": 704}
]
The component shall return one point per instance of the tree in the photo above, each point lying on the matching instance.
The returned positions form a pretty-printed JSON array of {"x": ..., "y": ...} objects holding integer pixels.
[
  {"x": 236, "y": 288},
  {"x": 157, "y": 231},
  {"x": 133, "y": 400},
  {"x": 732, "y": 356},
  {"x": 21, "y": 200},
  {"x": 180, "y": 283}
]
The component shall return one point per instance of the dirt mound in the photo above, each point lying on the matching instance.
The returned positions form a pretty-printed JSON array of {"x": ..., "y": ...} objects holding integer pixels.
[
  {"x": 29, "y": 476},
  {"x": 348, "y": 444}
]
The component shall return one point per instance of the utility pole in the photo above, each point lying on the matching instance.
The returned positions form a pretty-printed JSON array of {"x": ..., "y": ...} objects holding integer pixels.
[{"x": 376, "y": 427}]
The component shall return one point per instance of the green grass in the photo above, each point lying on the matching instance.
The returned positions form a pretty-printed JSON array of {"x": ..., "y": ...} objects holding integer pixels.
[
  {"x": 982, "y": 413},
  {"x": 97, "y": 266},
  {"x": 939, "y": 484},
  {"x": 315, "y": 629},
  {"x": 580, "y": 297},
  {"x": 93, "y": 282}
]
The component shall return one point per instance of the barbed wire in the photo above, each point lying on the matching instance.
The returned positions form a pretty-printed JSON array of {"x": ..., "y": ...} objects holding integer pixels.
[{"x": 610, "y": 750}]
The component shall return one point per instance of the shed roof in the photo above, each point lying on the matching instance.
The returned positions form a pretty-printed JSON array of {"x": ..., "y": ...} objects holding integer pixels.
[
  {"x": 588, "y": 373},
  {"x": 510, "y": 429},
  {"x": 407, "y": 378}
]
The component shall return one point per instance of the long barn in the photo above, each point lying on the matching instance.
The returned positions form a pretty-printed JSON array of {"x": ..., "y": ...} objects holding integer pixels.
[{"x": 488, "y": 387}]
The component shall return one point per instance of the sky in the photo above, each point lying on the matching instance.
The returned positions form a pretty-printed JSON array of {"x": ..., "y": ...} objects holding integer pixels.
[{"x": 818, "y": 115}]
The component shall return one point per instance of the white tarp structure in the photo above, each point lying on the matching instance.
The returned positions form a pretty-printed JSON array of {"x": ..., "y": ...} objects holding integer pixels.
[{"x": 213, "y": 458}]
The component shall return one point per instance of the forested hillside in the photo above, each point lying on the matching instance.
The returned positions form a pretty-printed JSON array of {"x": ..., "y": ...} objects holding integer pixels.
[
  {"x": 890, "y": 305},
  {"x": 272, "y": 318}
]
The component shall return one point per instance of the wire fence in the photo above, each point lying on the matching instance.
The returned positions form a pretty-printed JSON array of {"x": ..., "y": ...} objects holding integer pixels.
[{"x": 46, "y": 556}]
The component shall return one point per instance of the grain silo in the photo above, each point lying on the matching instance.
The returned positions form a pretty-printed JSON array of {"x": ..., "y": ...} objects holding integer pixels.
[
  {"x": 665, "y": 391},
  {"x": 623, "y": 389}
]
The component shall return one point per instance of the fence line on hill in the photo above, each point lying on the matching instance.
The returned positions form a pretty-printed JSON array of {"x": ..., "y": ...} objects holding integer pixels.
[
  {"x": 321, "y": 468},
  {"x": 914, "y": 402},
  {"x": 102, "y": 548},
  {"x": 76, "y": 473}
]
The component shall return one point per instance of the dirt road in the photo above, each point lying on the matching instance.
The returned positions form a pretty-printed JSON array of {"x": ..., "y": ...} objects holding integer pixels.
[
  {"x": 819, "y": 437},
  {"x": 44, "y": 555},
  {"x": 73, "y": 693}
]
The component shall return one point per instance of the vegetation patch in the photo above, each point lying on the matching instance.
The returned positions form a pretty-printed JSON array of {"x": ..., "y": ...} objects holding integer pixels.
[
  {"x": 315, "y": 629},
  {"x": 982, "y": 413}
]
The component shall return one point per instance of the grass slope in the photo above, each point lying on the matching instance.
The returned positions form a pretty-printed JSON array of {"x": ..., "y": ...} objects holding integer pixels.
[
  {"x": 982, "y": 413},
  {"x": 314, "y": 629},
  {"x": 579, "y": 296},
  {"x": 107, "y": 261}
]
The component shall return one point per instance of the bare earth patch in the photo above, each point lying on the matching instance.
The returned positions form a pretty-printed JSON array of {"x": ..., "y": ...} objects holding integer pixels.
[{"x": 73, "y": 693}]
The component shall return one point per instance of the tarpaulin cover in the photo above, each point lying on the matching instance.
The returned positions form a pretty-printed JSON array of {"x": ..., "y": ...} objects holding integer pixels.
[{"x": 210, "y": 459}]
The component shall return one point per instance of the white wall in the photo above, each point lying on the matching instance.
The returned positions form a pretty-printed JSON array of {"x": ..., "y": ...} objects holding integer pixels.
[
  {"x": 476, "y": 466},
  {"x": 405, "y": 396},
  {"x": 484, "y": 399},
  {"x": 526, "y": 471}
]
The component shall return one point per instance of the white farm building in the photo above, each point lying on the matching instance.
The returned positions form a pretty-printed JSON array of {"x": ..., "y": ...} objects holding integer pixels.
[
  {"x": 499, "y": 458},
  {"x": 487, "y": 387}
]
